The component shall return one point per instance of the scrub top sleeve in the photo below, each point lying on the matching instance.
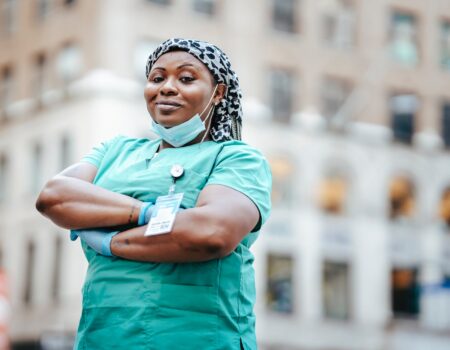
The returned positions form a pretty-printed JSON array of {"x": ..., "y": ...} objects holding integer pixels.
[
  {"x": 245, "y": 169},
  {"x": 97, "y": 153}
]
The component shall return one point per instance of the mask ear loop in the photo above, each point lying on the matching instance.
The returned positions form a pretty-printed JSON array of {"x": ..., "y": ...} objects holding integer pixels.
[
  {"x": 211, "y": 98},
  {"x": 211, "y": 112}
]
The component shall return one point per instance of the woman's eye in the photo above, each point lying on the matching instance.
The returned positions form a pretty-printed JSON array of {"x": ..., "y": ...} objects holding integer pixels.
[
  {"x": 156, "y": 79},
  {"x": 187, "y": 79}
]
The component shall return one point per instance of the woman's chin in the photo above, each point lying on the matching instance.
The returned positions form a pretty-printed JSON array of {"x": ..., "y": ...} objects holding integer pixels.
[{"x": 169, "y": 121}]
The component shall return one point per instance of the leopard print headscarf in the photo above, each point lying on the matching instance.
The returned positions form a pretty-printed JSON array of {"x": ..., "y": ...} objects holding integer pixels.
[{"x": 227, "y": 119}]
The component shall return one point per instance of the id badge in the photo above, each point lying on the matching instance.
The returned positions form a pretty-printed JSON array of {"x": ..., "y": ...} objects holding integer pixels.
[{"x": 163, "y": 215}]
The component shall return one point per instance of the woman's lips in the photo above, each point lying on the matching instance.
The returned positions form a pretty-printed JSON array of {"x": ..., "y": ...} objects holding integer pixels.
[{"x": 167, "y": 107}]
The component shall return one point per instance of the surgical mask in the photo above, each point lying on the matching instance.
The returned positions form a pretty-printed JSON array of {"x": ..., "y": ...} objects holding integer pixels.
[{"x": 185, "y": 132}]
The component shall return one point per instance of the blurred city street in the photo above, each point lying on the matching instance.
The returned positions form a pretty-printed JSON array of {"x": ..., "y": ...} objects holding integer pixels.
[{"x": 349, "y": 100}]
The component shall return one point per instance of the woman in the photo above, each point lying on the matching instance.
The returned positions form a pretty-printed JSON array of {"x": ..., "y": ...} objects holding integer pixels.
[{"x": 189, "y": 286}]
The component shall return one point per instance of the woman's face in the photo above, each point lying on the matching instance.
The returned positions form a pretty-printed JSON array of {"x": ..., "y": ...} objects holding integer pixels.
[{"x": 178, "y": 87}]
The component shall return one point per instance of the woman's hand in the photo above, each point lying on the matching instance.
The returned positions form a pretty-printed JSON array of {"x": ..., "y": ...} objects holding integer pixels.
[
  {"x": 71, "y": 201},
  {"x": 98, "y": 239}
]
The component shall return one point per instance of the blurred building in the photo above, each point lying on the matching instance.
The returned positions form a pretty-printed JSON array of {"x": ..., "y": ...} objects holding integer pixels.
[{"x": 350, "y": 101}]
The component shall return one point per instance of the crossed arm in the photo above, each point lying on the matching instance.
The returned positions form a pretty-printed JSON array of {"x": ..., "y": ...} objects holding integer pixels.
[{"x": 210, "y": 230}]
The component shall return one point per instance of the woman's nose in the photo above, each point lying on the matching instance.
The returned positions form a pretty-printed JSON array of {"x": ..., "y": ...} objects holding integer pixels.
[{"x": 168, "y": 87}]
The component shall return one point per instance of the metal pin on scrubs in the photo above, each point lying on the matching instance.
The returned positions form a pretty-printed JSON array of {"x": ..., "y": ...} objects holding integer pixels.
[{"x": 177, "y": 171}]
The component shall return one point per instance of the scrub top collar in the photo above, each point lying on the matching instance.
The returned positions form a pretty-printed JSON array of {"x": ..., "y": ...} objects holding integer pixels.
[{"x": 149, "y": 151}]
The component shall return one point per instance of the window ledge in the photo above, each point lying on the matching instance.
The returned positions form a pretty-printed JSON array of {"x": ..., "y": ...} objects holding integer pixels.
[{"x": 428, "y": 141}]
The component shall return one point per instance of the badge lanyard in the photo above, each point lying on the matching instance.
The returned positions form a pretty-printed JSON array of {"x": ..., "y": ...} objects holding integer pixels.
[{"x": 166, "y": 207}]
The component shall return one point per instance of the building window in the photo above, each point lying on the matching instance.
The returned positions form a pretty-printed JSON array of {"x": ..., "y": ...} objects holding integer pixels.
[
  {"x": 36, "y": 174},
  {"x": 332, "y": 194},
  {"x": 446, "y": 124},
  {"x": 69, "y": 63},
  {"x": 336, "y": 291},
  {"x": 40, "y": 77},
  {"x": 29, "y": 273},
  {"x": 282, "y": 94},
  {"x": 6, "y": 87},
  {"x": 404, "y": 108},
  {"x": 142, "y": 51},
  {"x": 283, "y": 181},
  {"x": 404, "y": 39},
  {"x": 160, "y": 2},
  {"x": 444, "y": 209},
  {"x": 334, "y": 93},
  {"x": 66, "y": 152},
  {"x": 445, "y": 45},
  {"x": 405, "y": 295},
  {"x": 43, "y": 8},
  {"x": 446, "y": 281},
  {"x": 56, "y": 278},
  {"x": 284, "y": 15},
  {"x": 207, "y": 7},
  {"x": 8, "y": 15},
  {"x": 280, "y": 283},
  {"x": 4, "y": 174},
  {"x": 402, "y": 198},
  {"x": 339, "y": 24}
]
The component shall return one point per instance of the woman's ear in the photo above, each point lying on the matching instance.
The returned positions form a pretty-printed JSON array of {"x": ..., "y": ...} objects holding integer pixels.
[{"x": 220, "y": 93}]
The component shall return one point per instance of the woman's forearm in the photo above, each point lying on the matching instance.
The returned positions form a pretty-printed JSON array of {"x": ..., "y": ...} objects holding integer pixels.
[
  {"x": 189, "y": 241},
  {"x": 212, "y": 230},
  {"x": 73, "y": 203}
]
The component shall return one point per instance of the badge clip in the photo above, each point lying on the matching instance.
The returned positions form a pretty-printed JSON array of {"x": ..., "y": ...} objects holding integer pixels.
[{"x": 177, "y": 171}]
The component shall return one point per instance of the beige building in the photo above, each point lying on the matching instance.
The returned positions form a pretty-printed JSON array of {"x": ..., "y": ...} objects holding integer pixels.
[{"x": 350, "y": 99}]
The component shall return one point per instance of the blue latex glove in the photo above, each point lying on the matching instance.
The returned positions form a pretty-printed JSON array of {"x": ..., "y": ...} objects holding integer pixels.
[
  {"x": 98, "y": 239},
  {"x": 146, "y": 213}
]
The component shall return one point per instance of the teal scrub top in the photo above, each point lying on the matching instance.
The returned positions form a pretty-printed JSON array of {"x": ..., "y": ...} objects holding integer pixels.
[{"x": 201, "y": 305}]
